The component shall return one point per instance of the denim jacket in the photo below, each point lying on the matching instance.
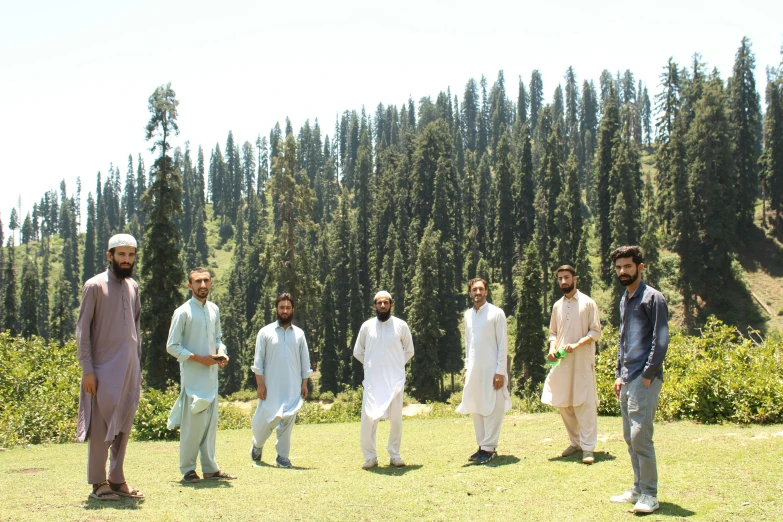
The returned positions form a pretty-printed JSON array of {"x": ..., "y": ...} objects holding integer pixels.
[{"x": 644, "y": 334}]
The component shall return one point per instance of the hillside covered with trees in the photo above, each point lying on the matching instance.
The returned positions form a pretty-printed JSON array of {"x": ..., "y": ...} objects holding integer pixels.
[{"x": 419, "y": 197}]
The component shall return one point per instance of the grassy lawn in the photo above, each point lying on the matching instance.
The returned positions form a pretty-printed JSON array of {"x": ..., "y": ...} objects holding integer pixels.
[{"x": 706, "y": 473}]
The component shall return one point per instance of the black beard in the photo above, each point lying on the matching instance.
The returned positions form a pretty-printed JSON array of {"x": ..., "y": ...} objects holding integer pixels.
[
  {"x": 285, "y": 321},
  {"x": 630, "y": 279},
  {"x": 567, "y": 289},
  {"x": 121, "y": 273},
  {"x": 383, "y": 316}
]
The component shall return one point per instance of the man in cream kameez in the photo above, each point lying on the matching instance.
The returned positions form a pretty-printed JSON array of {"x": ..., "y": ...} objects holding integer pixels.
[
  {"x": 282, "y": 367},
  {"x": 485, "y": 394},
  {"x": 195, "y": 339},
  {"x": 570, "y": 386},
  {"x": 383, "y": 346}
]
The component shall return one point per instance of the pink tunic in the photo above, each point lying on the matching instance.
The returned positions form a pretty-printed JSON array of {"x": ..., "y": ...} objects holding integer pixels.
[{"x": 109, "y": 340}]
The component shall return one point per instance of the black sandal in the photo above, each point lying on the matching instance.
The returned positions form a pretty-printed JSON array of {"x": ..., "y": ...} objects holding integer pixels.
[
  {"x": 106, "y": 495},
  {"x": 191, "y": 477},
  {"x": 134, "y": 493}
]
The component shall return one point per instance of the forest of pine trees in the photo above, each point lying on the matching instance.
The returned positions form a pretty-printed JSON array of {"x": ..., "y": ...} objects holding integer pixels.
[{"x": 417, "y": 199}]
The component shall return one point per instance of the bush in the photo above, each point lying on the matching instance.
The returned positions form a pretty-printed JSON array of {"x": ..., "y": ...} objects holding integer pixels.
[
  {"x": 39, "y": 391},
  {"x": 153, "y": 414},
  {"x": 232, "y": 417},
  {"x": 715, "y": 378},
  {"x": 347, "y": 407}
]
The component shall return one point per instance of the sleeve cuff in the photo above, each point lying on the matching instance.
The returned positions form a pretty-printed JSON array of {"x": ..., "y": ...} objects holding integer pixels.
[
  {"x": 257, "y": 370},
  {"x": 87, "y": 369},
  {"x": 184, "y": 355},
  {"x": 307, "y": 374},
  {"x": 553, "y": 338}
]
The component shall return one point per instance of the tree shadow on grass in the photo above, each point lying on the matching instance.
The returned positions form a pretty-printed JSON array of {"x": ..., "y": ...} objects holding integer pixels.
[
  {"x": 500, "y": 460},
  {"x": 576, "y": 458},
  {"x": 761, "y": 252},
  {"x": 392, "y": 471}
]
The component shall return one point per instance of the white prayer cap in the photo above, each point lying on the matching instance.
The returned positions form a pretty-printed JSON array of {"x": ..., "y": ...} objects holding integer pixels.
[
  {"x": 122, "y": 240},
  {"x": 382, "y": 293}
]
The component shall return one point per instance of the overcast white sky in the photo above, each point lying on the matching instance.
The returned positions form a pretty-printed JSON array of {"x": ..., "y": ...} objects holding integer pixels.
[{"x": 75, "y": 76}]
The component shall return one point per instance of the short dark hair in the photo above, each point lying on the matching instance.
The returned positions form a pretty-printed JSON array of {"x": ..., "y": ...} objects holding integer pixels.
[
  {"x": 565, "y": 268},
  {"x": 632, "y": 251},
  {"x": 198, "y": 270},
  {"x": 476, "y": 280},
  {"x": 285, "y": 296}
]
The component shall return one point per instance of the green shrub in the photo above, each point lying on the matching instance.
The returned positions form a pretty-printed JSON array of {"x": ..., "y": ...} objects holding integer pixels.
[
  {"x": 39, "y": 391},
  {"x": 232, "y": 417},
  {"x": 717, "y": 377},
  {"x": 153, "y": 414},
  {"x": 243, "y": 395},
  {"x": 347, "y": 407}
]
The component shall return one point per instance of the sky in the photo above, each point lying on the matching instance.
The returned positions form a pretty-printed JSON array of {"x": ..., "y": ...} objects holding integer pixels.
[{"x": 75, "y": 77}]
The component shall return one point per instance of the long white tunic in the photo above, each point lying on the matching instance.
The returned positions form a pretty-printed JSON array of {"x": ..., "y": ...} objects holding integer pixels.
[
  {"x": 383, "y": 347},
  {"x": 486, "y": 346},
  {"x": 195, "y": 328},
  {"x": 283, "y": 360},
  {"x": 572, "y": 381}
]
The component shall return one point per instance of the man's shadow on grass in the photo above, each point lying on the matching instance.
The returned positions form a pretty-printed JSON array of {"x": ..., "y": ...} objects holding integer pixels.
[
  {"x": 275, "y": 466},
  {"x": 123, "y": 504},
  {"x": 500, "y": 460},
  {"x": 391, "y": 471},
  {"x": 206, "y": 484},
  {"x": 576, "y": 458},
  {"x": 671, "y": 510}
]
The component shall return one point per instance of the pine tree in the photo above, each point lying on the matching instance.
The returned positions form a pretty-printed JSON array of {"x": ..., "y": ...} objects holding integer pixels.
[
  {"x": 13, "y": 222},
  {"x": 423, "y": 318},
  {"x": 61, "y": 321},
  {"x": 608, "y": 133},
  {"x": 161, "y": 271},
  {"x": 43, "y": 297},
  {"x": 28, "y": 311},
  {"x": 329, "y": 366},
  {"x": 528, "y": 369},
  {"x": 10, "y": 301},
  {"x": 772, "y": 159},
  {"x": 505, "y": 223},
  {"x": 745, "y": 118},
  {"x": 89, "y": 241},
  {"x": 712, "y": 178},
  {"x": 536, "y": 98}
]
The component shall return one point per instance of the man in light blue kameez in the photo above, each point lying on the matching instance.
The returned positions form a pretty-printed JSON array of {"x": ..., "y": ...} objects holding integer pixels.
[
  {"x": 282, "y": 367},
  {"x": 195, "y": 339}
]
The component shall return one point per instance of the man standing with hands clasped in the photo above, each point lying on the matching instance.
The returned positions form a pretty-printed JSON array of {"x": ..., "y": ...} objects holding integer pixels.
[
  {"x": 570, "y": 386},
  {"x": 195, "y": 339},
  {"x": 383, "y": 346},
  {"x": 485, "y": 394},
  {"x": 282, "y": 367},
  {"x": 641, "y": 348}
]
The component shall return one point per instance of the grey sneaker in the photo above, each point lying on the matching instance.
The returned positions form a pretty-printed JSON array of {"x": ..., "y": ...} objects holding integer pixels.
[
  {"x": 370, "y": 463},
  {"x": 570, "y": 450},
  {"x": 255, "y": 453},
  {"x": 646, "y": 504},
  {"x": 397, "y": 462},
  {"x": 587, "y": 457},
  {"x": 629, "y": 497},
  {"x": 283, "y": 462}
]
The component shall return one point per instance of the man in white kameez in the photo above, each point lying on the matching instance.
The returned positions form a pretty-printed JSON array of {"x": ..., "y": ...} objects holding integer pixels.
[
  {"x": 485, "y": 394},
  {"x": 570, "y": 386},
  {"x": 282, "y": 367},
  {"x": 383, "y": 346},
  {"x": 195, "y": 339}
]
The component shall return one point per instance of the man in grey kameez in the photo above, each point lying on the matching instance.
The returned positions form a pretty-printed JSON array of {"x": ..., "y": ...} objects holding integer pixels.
[
  {"x": 195, "y": 339},
  {"x": 109, "y": 349},
  {"x": 282, "y": 367}
]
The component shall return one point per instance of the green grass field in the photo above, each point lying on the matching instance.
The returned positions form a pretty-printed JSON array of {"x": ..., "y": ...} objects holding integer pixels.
[{"x": 711, "y": 473}]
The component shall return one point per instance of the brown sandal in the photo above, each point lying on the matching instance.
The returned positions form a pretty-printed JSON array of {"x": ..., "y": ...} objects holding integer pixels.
[
  {"x": 133, "y": 493},
  {"x": 106, "y": 495}
]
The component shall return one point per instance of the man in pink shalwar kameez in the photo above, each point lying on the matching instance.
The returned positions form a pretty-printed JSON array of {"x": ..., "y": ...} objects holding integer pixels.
[{"x": 109, "y": 347}]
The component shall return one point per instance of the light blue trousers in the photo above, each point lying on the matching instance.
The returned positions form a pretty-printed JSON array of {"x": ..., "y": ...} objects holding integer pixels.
[
  {"x": 263, "y": 429},
  {"x": 197, "y": 436},
  {"x": 638, "y": 404}
]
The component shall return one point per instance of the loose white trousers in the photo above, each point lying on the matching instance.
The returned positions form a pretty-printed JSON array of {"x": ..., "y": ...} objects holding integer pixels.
[
  {"x": 197, "y": 435},
  {"x": 370, "y": 427},
  {"x": 487, "y": 427},
  {"x": 262, "y": 429},
  {"x": 581, "y": 423}
]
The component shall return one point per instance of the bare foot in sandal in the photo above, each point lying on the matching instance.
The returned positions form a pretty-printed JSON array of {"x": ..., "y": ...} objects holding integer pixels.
[
  {"x": 124, "y": 490},
  {"x": 103, "y": 491},
  {"x": 219, "y": 475}
]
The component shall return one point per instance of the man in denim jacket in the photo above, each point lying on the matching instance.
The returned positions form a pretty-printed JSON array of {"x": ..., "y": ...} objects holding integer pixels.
[{"x": 641, "y": 348}]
